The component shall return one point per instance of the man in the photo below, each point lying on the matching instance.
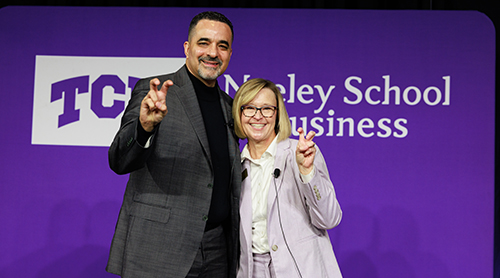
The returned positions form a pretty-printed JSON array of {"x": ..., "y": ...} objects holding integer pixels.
[{"x": 179, "y": 216}]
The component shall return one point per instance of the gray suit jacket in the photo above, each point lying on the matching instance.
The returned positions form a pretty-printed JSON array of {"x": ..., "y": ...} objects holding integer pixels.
[{"x": 167, "y": 199}]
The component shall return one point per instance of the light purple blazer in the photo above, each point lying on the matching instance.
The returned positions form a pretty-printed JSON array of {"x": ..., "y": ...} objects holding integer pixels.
[{"x": 307, "y": 211}]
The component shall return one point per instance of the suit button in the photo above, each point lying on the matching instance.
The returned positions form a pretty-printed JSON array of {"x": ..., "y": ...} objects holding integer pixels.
[
  {"x": 210, "y": 185},
  {"x": 275, "y": 247},
  {"x": 205, "y": 218}
]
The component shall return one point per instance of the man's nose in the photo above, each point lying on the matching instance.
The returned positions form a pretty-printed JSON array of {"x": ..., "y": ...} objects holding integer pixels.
[{"x": 212, "y": 50}]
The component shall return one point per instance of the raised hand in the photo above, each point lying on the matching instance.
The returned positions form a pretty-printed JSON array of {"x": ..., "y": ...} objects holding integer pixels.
[
  {"x": 154, "y": 106},
  {"x": 305, "y": 151}
]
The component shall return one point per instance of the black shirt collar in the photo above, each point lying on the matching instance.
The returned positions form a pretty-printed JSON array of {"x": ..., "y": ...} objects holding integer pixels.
[{"x": 202, "y": 90}]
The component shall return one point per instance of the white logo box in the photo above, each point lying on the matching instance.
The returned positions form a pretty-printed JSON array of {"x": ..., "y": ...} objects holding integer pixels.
[{"x": 81, "y": 125}]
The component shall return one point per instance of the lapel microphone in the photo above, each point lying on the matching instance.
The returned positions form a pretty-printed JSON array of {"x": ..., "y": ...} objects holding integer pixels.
[
  {"x": 230, "y": 124},
  {"x": 276, "y": 173}
]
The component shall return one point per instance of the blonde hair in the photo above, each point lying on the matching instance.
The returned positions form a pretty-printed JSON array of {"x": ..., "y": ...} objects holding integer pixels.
[{"x": 246, "y": 93}]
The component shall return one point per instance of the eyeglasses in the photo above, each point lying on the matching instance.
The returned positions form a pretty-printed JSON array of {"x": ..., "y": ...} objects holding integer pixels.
[{"x": 267, "y": 111}]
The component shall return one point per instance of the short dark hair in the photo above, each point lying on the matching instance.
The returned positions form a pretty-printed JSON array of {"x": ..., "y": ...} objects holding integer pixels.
[{"x": 215, "y": 16}]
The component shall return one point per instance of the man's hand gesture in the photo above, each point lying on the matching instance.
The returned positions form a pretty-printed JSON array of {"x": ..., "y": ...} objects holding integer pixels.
[{"x": 154, "y": 106}]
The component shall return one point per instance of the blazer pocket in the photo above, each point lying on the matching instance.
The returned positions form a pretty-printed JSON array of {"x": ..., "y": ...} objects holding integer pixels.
[
  {"x": 148, "y": 212},
  {"x": 147, "y": 239}
]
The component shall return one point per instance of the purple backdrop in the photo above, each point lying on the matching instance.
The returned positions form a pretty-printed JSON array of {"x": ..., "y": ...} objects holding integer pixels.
[{"x": 415, "y": 178}]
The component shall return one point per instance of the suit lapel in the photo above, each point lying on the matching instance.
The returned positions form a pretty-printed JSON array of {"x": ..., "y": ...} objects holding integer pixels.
[
  {"x": 246, "y": 207},
  {"x": 280, "y": 162},
  {"x": 191, "y": 106},
  {"x": 228, "y": 119},
  {"x": 232, "y": 139}
]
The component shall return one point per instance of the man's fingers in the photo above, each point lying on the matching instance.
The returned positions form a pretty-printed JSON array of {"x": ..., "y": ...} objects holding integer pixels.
[
  {"x": 156, "y": 99},
  {"x": 150, "y": 103},
  {"x": 162, "y": 94},
  {"x": 153, "y": 91},
  {"x": 153, "y": 84},
  {"x": 161, "y": 102},
  {"x": 166, "y": 85}
]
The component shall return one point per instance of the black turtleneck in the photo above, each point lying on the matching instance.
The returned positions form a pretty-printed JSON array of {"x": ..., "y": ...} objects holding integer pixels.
[{"x": 215, "y": 126}]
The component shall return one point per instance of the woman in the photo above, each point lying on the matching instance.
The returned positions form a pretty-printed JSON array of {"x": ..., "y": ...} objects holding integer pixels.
[{"x": 287, "y": 199}]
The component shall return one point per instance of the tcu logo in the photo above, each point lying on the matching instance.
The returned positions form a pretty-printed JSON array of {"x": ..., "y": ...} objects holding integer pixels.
[
  {"x": 69, "y": 88},
  {"x": 78, "y": 101}
]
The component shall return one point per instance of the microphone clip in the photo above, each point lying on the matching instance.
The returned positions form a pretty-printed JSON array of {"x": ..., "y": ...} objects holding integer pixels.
[{"x": 276, "y": 173}]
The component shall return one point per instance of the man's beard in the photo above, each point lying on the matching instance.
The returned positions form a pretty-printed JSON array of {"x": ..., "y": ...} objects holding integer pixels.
[{"x": 209, "y": 73}]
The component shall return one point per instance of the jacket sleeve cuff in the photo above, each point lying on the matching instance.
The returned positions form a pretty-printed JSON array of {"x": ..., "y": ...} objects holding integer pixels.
[{"x": 307, "y": 178}]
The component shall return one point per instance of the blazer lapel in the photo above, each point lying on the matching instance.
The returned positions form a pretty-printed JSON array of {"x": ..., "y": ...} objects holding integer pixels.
[
  {"x": 280, "y": 162},
  {"x": 192, "y": 108},
  {"x": 232, "y": 140},
  {"x": 246, "y": 206}
]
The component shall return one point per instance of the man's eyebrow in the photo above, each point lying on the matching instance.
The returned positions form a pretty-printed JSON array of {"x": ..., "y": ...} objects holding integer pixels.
[
  {"x": 208, "y": 40},
  {"x": 203, "y": 39},
  {"x": 224, "y": 42}
]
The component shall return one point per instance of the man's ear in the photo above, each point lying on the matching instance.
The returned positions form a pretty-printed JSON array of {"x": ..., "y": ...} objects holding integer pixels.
[{"x": 186, "y": 48}]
